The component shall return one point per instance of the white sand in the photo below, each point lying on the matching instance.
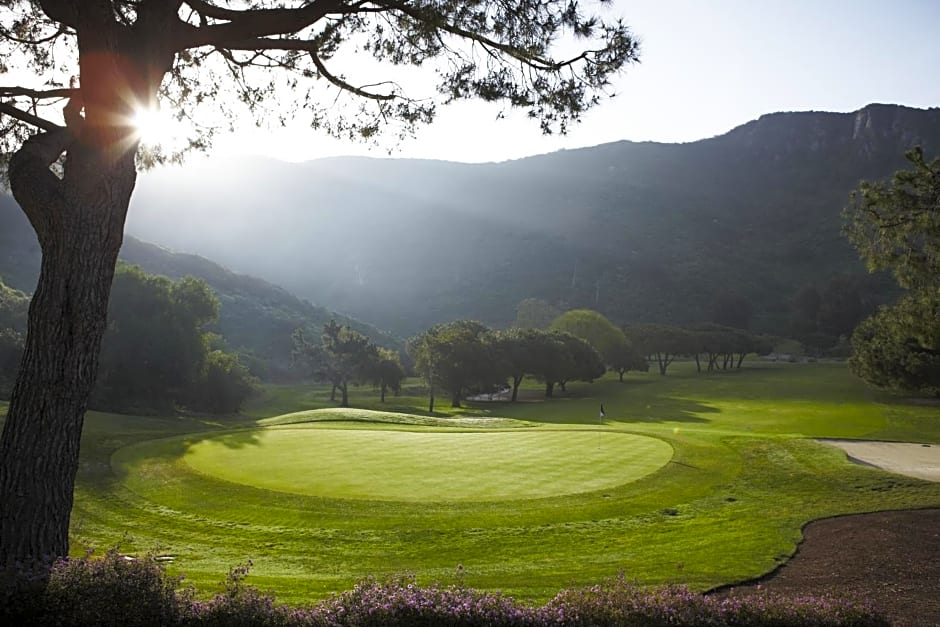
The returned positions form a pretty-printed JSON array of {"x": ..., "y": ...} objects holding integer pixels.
[{"x": 915, "y": 460}]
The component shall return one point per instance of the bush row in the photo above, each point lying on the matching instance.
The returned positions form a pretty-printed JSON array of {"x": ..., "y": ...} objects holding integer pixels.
[{"x": 117, "y": 591}]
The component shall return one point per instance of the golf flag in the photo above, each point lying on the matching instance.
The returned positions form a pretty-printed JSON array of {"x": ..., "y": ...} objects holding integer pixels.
[{"x": 602, "y": 411}]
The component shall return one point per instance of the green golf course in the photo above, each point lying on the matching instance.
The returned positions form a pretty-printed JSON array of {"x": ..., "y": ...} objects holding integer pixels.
[{"x": 697, "y": 478}]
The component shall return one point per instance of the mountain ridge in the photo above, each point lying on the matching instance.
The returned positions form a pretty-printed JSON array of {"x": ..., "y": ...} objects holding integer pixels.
[{"x": 642, "y": 231}]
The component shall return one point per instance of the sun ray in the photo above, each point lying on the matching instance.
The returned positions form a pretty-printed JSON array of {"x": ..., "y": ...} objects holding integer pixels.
[{"x": 155, "y": 127}]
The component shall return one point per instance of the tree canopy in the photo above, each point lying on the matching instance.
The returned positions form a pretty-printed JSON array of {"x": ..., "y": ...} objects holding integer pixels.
[
  {"x": 157, "y": 353},
  {"x": 457, "y": 358},
  {"x": 13, "y": 306},
  {"x": 92, "y": 66},
  {"x": 344, "y": 356},
  {"x": 896, "y": 226},
  {"x": 591, "y": 327},
  {"x": 385, "y": 372},
  {"x": 617, "y": 351},
  {"x": 899, "y": 346},
  {"x": 270, "y": 58},
  {"x": 661, "y": 342}
]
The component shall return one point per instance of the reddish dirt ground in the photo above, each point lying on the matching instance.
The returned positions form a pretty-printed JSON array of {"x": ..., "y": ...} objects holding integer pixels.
[{"x": 890, "y": 558}]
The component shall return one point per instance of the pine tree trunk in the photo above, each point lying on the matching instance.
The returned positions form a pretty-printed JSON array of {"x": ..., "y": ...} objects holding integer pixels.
[{"x": 80, "y": 222}]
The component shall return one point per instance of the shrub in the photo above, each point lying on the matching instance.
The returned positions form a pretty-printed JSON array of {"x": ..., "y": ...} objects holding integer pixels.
[
  {"x": 400, "y": 602},
  {"x": 620, "y": 604},
  {"x": 241, "y": 606},
  {"x": 115, "y": 590}
]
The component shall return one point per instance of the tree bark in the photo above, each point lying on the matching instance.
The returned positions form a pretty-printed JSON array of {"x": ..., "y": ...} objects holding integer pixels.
[
  {"x": 516, "y": 382},
  {"x": 549, "y": 389},
  {"x": 344, "y": 388},
  {"x": 79, "y": 219},
  {"x": 80, "y": 222},
  {"x": 455, "y": 399}
]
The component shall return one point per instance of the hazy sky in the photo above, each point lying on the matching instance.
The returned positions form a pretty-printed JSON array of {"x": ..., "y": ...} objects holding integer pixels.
[{"x": 706, "y": 67}]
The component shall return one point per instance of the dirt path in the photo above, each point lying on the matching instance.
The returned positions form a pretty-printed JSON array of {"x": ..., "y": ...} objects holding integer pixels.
[{"x": 889, "y": 558}]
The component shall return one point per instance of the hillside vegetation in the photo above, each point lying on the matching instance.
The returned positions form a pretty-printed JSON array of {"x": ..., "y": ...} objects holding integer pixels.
[
  {"x": 256, "y": 318},
  {"x": 642, "y": 232}
]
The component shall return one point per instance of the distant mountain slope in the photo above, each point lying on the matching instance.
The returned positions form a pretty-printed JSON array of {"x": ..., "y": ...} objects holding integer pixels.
[
  {"x": 256, "y": 317},
  {"x": 639, "y": 231}
]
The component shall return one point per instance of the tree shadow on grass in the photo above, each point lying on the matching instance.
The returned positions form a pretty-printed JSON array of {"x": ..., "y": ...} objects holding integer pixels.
[
  {"x": 159, "y": 462},
  {"x": 234, "y": 439},
  {"x": 584, "y": 409},
  {"x": 660, "y": 409}
]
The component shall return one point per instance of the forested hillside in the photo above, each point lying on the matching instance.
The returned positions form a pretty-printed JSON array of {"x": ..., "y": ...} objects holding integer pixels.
[
  {"x": 256, "y": 318},
  {"x": 638, "y": 231}
]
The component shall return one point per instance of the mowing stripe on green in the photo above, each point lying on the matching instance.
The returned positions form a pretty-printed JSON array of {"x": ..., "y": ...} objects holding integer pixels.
[{"x": 430, "y": 466}]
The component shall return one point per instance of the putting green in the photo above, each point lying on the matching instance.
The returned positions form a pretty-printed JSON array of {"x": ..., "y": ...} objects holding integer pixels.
[{"x": 429, "y": 466}]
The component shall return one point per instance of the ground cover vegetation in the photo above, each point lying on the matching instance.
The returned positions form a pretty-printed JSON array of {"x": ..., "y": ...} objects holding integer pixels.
[
  {"x": 140, "y": 593},
  {"x": 741, "y": 481},
  {"x": 109, "y": 60}
]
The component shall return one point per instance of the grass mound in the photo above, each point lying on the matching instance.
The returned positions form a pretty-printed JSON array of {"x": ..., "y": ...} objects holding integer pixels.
[
  {"x": 429, "y": 465},
  {"x": 373, "y": 417}
]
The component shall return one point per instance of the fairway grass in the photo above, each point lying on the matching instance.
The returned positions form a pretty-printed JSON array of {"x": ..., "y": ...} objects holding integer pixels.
[
  {"x": 703, "y": 479},
  {"x": 430, "y": 465}
]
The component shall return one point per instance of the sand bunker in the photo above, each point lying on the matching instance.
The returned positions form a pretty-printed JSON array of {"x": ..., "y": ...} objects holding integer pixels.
[{"x": 915, "y": 460}]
